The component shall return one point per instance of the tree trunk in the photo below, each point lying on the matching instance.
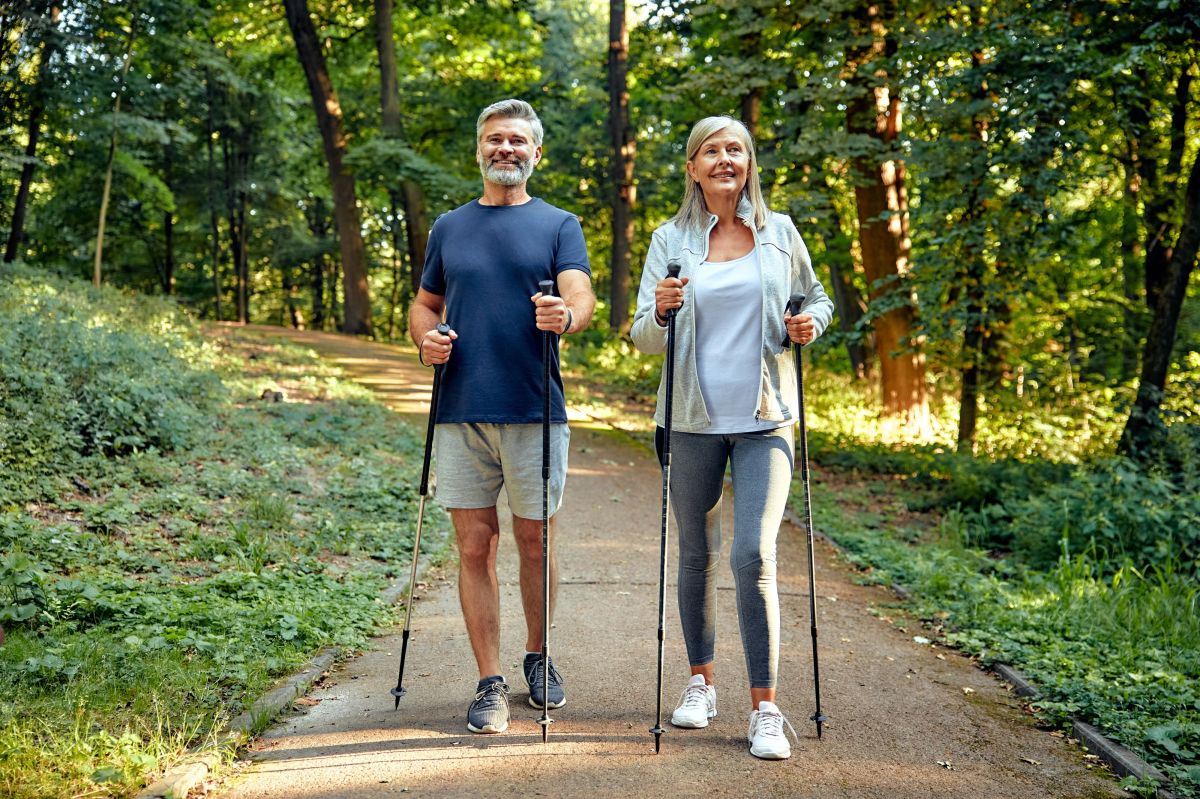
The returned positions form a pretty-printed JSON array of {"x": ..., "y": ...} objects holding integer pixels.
[
  {"x": 345, "y": 204},
  {"x": 318, "y": 289},
  {"x": 973, "y": 275},
  {"x": 850, "y": 310},
  {"x": 882, "y": 202},
  {"x": 37, "y": 107},
  {"x": 1166, "y": 288},
  {"x": 412, "y": 198},
  {"x": 168, "y": 277},
  {"x": 213, "y": 216},
  {"x": 295, "y": 316},
  {"x": 318, "y": 225},
  {"x": 243, "y": 256},
  {"x": 396, "y": 273},
  {"x": 112, "y": 152},
  {"x": 621, "y": 170},
  {"x": 235, "y": 158},
  {"x": 168, "y": 271},
  {"x": 1132, "y": 258},
  {"x": 752, "y": 110}
]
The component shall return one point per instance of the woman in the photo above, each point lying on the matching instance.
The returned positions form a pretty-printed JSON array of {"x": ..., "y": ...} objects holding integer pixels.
[{"x": 735, "y": 402}]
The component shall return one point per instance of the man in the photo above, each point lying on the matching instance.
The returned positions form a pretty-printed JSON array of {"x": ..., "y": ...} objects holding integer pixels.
[{"x": 483, "y": 263}]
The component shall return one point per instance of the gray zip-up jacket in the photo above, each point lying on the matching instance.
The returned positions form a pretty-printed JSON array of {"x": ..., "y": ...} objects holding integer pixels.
[{"x": 786, "y": 270}]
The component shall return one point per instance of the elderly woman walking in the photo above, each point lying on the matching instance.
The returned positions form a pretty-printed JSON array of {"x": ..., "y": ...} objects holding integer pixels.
[{"x": 734, "y": 404}]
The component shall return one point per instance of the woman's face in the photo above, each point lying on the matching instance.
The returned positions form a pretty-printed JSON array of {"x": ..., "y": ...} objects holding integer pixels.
[{"x": 720, "y": 166}]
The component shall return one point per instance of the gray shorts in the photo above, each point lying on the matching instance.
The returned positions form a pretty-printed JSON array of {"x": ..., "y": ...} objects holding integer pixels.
[{"x": 474, "y": 460}]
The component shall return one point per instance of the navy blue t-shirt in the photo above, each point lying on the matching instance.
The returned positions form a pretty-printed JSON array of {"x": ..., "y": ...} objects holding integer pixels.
[{"x": 487, "y": 261}]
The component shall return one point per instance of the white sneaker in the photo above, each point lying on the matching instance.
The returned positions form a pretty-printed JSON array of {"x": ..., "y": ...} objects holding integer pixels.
[
  {"x": 697, "y": 705},
  {"x": 766, "y": 734}
]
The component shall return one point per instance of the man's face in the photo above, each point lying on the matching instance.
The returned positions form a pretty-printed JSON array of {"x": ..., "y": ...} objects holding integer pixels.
[{"x": 506, "y": 152}]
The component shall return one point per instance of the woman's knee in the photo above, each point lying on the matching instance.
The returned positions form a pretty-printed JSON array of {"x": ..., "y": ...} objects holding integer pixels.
[{"x": 752, "y": 562}]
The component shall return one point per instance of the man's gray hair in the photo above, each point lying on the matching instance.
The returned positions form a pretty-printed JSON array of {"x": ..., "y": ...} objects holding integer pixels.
[{"x": 511, "y": 109}]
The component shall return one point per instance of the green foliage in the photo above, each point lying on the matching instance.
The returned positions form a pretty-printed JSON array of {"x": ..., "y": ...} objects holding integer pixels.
[
  {"x": 79, "y": 375},
  {"x": 597, "y": 353},
  {"x": 149, "y": 594},
  {"x": 1103, "y": 637}
]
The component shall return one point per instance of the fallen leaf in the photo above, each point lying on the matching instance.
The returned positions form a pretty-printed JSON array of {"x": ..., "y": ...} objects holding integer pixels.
[
  {"x": 941, "y": 656},
  {"x": 1032, "y": 761},
  {"x": 967, "y": 690},
  {"x": 920, "y": 639},
  {"x": 946, "y": 764},
  {"x": 307, "y": 701}
]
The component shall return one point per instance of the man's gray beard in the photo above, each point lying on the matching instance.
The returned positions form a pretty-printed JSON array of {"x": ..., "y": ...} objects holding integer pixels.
[{"x": 507, "y": 177}]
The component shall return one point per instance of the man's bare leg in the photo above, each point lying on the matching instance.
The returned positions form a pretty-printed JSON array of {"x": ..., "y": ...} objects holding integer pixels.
[
  {"x": 528, "y": 534},
  {"x": 477, "y": 531}
]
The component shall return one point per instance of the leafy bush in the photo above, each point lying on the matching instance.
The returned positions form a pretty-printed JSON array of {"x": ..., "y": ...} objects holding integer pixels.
[
  {"x": 1120, "y": 511},
  {"x": 85, "y": 371},
  {"x": 599, "y": 353}
]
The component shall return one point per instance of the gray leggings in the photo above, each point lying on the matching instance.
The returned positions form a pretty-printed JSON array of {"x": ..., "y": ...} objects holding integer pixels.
[{"x": 761, "y": 467}]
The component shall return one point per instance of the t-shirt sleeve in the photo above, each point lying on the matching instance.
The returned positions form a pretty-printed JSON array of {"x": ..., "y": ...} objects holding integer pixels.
[
  {"x": 571, "y": 250},
  {"x": 433, "y": 277}
]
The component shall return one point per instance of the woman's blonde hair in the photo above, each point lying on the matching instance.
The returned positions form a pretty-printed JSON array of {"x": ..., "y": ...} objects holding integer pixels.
[{"x": 693, "y": 212}]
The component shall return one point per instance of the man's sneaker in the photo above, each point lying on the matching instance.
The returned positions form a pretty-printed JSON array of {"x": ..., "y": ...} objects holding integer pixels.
[
  {"x": 533, "y": 677},
  {"x": 489, "y": 711},
  {"x": 766, "y": 734},
  {"x": 697, "y": 705}
]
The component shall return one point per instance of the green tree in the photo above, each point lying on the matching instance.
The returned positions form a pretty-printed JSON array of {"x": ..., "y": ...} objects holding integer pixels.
[{"x": 345, "y": 202}]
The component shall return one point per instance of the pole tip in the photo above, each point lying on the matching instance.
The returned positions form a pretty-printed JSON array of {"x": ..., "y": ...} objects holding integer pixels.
[
  {"x": 657, "y": 732},
  {"x": 398, "y": 692}
]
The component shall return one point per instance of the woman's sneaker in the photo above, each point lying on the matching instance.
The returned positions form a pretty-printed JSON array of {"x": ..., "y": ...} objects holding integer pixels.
[
  {"x": 697, "y": 705},
  {"x": 536, "y": 682},
  {"x": 766, "y": 734},
  {"x": 489, "y": 711}
]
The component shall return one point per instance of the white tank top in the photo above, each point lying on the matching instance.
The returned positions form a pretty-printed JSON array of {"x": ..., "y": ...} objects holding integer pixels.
[{"x": 728, "y": 298}]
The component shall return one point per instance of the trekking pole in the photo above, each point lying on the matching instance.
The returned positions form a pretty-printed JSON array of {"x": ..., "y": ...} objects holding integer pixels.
[
  {"x": 665, "y": 461},
  {"x": 547, "y": 289},
  {"x": 794, "y": 304},
  {"x": 399, "y": 690}
]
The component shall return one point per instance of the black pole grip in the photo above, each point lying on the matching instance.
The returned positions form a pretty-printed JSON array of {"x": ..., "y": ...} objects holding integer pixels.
[
  {"x": 673, "y": 269},
  {"x": 546, "y": 287},
  {"x": 795, "y": 302},
  {"x": 443, "y": 328}
]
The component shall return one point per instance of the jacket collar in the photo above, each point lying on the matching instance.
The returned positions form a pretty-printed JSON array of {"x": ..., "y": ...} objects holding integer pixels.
[{"x": 697, "y": 240}]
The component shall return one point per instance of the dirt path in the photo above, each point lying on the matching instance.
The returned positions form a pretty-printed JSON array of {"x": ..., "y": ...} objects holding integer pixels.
[{"x": 904, "y": 722}]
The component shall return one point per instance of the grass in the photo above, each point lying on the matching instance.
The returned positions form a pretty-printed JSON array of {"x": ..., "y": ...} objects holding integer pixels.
[{"x": 151, "y": 594}]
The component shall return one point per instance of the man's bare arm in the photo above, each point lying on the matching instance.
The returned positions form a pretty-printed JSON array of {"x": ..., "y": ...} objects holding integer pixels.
[{"x": 423, "y": 318}]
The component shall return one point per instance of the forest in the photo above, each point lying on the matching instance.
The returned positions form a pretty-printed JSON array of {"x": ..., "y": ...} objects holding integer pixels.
[{"x": 1001, "y": 196}]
